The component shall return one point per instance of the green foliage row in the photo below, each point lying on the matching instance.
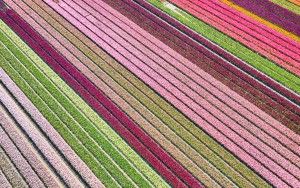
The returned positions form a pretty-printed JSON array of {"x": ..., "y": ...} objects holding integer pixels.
[
  {"x": 183, "y": 127},
  {"x": 254, "y": 59},
  {"x": 106, "y": 161},
  {"x": 288, "y": 5}
]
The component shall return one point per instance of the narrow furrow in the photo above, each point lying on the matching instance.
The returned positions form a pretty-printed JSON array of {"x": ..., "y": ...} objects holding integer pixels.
[
  {"x": 230, "y": 45},
  {"x": 246, "y": 36},
  {"x": 140, "y": 115},
  {"x": 10, "y": 171},
  {"x": 282, "y": 173},
  {"x": 30, "y": 176},
  {"x": 53, "y": 136},
  {"x": 226, "y": 77},
  {"x": 151, "y": 118},
  {"x": 90, "y": 144},
  {"x": 152, "y": 66},
  {"x": 36, "y": 161},
  {"x": 213, "y": 100},
  {"x": 224, "y": 54},
  {"x": 3, "y": 181},
  {"x": 162, "y": 155},
  {"x": 78, "y": 117},
  {"x": 60, "y": 49},
  {"x": 52, "y": 157},
  {"x": 149, "y": 93}
]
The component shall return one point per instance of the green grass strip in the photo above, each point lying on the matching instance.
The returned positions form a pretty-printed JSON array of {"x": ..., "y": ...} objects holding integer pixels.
[
  {"x": 183, "y": 127},
  {"x": 88, "y": 112},
  {"x": 84, "y": 108},
  {"x": 206, "y": 166},
  {"x": 190, "y": 133},
  {"x": 254, "y": 59},
  {"x": 89, "y": 128},
  {"x": 288, "y": 5},
  {"x": 98, "y": 137},
  {"x": 70, "y": 123},
  {"x": 68, "y": 136}
]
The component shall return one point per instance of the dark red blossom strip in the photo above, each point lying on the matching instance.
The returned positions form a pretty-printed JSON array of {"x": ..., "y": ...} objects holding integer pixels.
[{"x": 167, "y": 166}]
